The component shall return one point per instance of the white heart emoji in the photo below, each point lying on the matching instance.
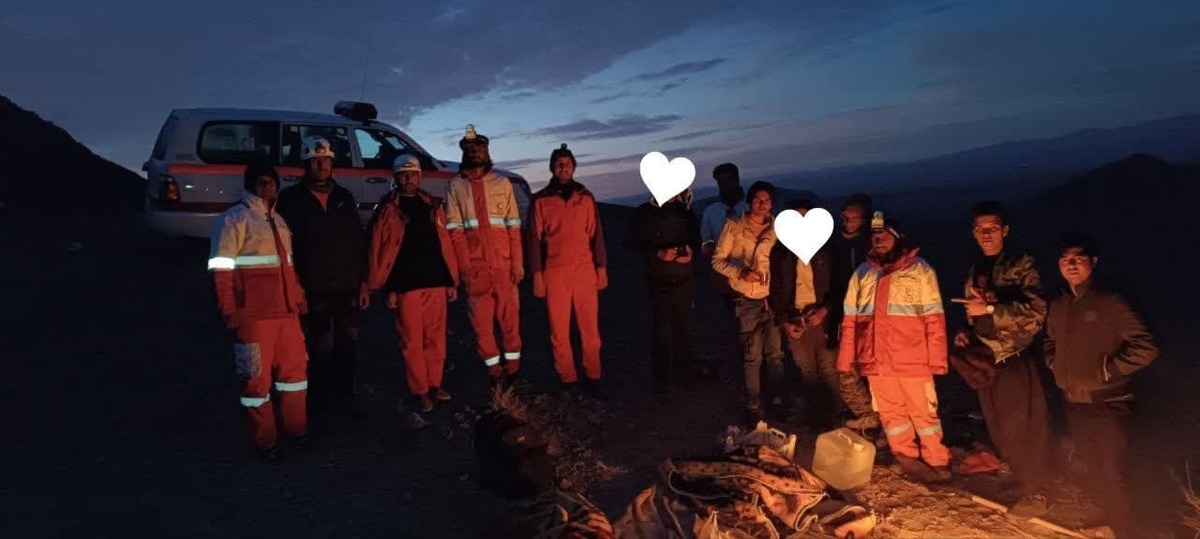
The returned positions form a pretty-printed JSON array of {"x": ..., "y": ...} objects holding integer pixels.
[
  {"x": 666, "y": 179},
  {"x": 804, "y": 235}
]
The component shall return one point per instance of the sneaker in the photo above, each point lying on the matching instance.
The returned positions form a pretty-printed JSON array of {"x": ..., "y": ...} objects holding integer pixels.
[
  {"x": 1030, "y": 506},
  {"x": 438, "y": 394},
  {"x": 302, "y": 441},
  {"x": 424, "y": 403}
]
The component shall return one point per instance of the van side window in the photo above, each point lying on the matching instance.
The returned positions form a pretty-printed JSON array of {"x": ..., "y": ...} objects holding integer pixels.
[
  {"x": 293, "y": 139},
  {"x": 238, "y": 143},
  {"x": 379, "y": 148}
]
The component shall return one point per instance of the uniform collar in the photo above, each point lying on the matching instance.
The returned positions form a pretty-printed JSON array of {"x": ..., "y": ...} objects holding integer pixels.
[
  {"x": 255, "y": 202},
  {"x": 564, "y": 190}
]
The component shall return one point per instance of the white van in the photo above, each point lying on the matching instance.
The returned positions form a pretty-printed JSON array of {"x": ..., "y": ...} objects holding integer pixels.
[{"x": 195, "y": 170}]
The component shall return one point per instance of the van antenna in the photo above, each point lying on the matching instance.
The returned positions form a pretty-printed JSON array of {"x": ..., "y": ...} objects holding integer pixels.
[{"x": 362, "y": 95}]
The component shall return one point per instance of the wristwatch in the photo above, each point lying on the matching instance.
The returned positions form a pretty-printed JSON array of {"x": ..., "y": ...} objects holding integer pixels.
[{"x": 991, "y": 308}]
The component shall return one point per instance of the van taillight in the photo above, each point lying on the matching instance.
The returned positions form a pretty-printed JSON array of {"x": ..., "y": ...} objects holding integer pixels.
[{"x": 168, "y": 190}]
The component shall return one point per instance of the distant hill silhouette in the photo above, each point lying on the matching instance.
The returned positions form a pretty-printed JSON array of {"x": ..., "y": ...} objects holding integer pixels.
[
  {"x": 1138, "y": 193},
  {"x": 1022, "y": 165},
  {"x": 47, "y": 169}
]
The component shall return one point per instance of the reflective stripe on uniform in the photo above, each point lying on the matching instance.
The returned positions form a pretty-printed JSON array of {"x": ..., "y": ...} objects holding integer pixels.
[
  {"x": 498, "y": 221},
  {"x": 512, "y": 355},
  {"x": 899, "y": 429},
  {"x": 221, "y": 262},
  {"x": 255, "y": 402},
  {"x": 492, "y": 361},
  {"x": 471, "y": 223},
  {"x": 257, "y": 260},
  {"x": 932, "y": 429},
  {"x": 515, "y": 221},
  {"x": 291, "y": 386},
  {"x": 226, "y": 263},
  {"x": 852, "y": 310},
  {"x": 912, "y": 309}
]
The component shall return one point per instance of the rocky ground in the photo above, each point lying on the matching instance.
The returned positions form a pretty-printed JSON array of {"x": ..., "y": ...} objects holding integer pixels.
[{"x": 124, "y": 419}]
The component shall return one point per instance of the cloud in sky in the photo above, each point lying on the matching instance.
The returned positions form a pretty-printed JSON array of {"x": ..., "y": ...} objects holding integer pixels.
[
  {"x": 680, "y": 69},
  {"x": 622, "y": 126},
  {"x": 836, "y": 82}
]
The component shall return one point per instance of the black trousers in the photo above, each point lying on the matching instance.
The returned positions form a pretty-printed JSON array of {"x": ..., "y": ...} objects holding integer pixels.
[
  {"x": 331, "y": 331},
  {"x": 1100, "y": 432},
  {"x": 1014, "y": 408},
  {"x": 671, "y": 310}
]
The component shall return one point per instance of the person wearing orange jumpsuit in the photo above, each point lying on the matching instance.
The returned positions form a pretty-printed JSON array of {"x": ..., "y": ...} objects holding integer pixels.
[
  {"x": 894, "y": 333},
  {"x": 566, "y": 255},
  {"x": 412, "y": 260},
  {"x": 261, "y": 301},
  {"x": 484, "y": 222}
]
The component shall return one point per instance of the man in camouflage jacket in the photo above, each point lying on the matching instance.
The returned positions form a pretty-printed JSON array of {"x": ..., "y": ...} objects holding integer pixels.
[{"x": 994, "y": 353}]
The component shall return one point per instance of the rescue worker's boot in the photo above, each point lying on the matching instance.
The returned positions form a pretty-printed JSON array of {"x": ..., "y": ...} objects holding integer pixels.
[
  {"x": 570, "y": 391},
  {"x": 423, "y": 403},
  {"x": 439, "y": 395},
  {"x": 595, "y": 389}
]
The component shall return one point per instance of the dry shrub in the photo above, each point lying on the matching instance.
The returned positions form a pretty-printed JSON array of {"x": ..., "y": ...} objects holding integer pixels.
[
  {"x": 1191, "y": 516},
  {"x": 568, "y": 430}
]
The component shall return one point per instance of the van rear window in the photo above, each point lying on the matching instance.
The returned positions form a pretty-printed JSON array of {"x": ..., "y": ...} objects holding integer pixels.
[{"x": 238, "y": 143}]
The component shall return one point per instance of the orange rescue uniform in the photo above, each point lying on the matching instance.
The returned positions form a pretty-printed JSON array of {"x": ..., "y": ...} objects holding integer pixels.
[
  {"x": 484, "y": 223},
  {"x": 421, "y": 312},
  {"x": 894, "y": 333},
  {"x": 257, "y": 288},
  {"x": 566, "y": 246}
]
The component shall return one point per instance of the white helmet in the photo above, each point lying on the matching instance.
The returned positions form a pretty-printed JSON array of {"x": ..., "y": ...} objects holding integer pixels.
[
  {"x": 405, "y": 162},
  {"x": 315, "y": 147}
]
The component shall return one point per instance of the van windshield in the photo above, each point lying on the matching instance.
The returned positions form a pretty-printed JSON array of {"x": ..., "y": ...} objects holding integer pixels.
[{"x": 380, "y": 148}]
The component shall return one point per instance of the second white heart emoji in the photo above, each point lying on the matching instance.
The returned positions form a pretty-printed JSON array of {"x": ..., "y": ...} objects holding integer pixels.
[
  {"x": 804, "y": 235},
  {"x": 666, "y": 179}
]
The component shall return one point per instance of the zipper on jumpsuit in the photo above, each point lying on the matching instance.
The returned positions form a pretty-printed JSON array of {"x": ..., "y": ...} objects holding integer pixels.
[
  {"x": 287, "y": 300},
  {"x": 479, "y": 200}
]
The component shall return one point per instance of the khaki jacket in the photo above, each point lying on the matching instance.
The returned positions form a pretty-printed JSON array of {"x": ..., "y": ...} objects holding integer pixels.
[{"x": 737, "y": 249}]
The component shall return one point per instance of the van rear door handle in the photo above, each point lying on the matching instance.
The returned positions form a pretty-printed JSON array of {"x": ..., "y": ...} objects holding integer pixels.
[
  {"x": 377, "y": 179},
  {"x": 290, "y": 178}
]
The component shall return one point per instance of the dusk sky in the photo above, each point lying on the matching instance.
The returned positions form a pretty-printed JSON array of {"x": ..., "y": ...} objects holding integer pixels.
[{"x": 774, "y": 86}]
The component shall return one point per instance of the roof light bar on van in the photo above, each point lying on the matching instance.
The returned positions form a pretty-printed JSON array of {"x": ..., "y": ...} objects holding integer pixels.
[{"x": 356, "y": 110}]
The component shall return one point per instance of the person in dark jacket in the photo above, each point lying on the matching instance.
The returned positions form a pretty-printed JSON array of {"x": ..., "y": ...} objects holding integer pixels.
[
  {"x": 331, "y": 260},
  {"x": 1095, "y": 341},
  {"x": 995, "y": 353},
  {"x": 668, "y": 237},
  {"x": 801, "y": 302},
  {"x": 848, "y": 249}
]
